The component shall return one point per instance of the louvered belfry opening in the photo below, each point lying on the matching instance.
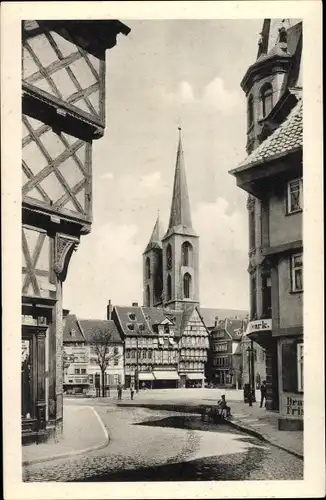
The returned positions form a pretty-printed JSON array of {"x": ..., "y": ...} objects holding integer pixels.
[{"x": 63, "y": 112}]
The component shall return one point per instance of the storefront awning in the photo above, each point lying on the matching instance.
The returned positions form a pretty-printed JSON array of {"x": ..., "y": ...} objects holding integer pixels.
[
  {"x": 146, "y": 376},
  {"x": 195, "y": 376},
  {"x": 168, "y": 375}
]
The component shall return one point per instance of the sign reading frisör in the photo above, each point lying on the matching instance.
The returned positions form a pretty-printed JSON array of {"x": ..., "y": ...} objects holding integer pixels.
[
  {"x": 259, "y": 325},
  {"x": 292, "y": 405}
]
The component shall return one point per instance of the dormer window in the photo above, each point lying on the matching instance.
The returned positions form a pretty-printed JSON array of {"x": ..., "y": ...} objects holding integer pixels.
[
  {"x": 250, "y": 111},
  {"x": 130, "y": 326},
  {"x": 266, "y": 99},
  {"x": 166, "y": 328},
  {"x": 141, "y": 327},
  {"x": 132, "y": 316}
]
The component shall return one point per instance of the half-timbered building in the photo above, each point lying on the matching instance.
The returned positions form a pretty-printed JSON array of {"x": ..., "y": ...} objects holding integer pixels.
[{"x": 63, "y": 112}]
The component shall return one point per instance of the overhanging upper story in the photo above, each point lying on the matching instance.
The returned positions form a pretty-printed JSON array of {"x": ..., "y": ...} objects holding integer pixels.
[{"x": 63, "y": 111}]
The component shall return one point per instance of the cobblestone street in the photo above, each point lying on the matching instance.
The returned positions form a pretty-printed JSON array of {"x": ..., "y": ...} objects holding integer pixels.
[{"x": 153, "y": 445}]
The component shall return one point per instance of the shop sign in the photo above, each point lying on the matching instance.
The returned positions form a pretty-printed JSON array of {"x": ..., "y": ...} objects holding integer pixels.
[
  {"x": 28, "y": 319},
  {"x": 293, "y": 406},
  {"x": 260, "y": 325}
]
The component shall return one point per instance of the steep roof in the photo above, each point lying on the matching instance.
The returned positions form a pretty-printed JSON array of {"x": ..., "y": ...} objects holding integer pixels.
[
  {"x": 155, "y": 239},
  {"x": 156, "y": 315},
  {"x": 180, "y": 216},
  {"x": 209, "y": 314},
  {"x": 285, "y": 139},
  {"x": 235, "y": 327},
  {"x": 149, "y": 317},
  {"x": 72, "y": 331},
  {"x": 130, "y": 319},
  {"x": 107, "y": 327}
]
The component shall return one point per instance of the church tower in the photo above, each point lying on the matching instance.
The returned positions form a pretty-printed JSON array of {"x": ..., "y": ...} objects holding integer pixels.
[
  {"x": 152, "y": 269},
  {"x": 180, "y": 245}
]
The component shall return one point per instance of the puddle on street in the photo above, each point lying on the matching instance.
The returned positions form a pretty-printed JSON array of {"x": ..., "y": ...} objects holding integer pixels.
[{"x": 190, "y": 423}]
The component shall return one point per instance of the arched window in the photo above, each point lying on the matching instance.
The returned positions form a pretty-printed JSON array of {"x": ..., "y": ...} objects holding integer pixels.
[
  {"x": 148, "y": 268},
  {"x": 148, "y": 296},
  {"x": 186, "y": 285},
  {"x": 186, "y": 253},
  {"x": 266, "y": 99},
  {"x": 250, "y": 111},
  {"x": 169, "y": 257},
  {"x": 168, "y": 288}
]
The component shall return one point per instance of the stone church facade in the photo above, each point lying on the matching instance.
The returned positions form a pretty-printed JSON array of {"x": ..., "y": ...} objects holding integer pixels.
[{"x": 171, "y": 278}]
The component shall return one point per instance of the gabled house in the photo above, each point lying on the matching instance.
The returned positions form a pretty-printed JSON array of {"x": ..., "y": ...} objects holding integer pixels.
[
  {"x": 150, "y": 337},
  {"x": 81, "y": 371},
  {"x": 225, "y": 339},
  {"x": 164, "y": 348}
]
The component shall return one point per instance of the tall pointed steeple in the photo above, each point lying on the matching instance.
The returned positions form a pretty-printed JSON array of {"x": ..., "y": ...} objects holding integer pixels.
[
  {"x": 155, "y": 239},
  {"x": 180, "y": 216}
]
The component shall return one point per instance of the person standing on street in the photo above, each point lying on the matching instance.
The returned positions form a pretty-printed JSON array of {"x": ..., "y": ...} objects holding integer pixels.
[
  {"x": 263, "y": 390},
  {"x": 119, "y": 389},
  {"x": 132, "y": 391}
]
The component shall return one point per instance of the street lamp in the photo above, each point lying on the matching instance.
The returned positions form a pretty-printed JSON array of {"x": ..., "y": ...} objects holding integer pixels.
[{"x": 251, "y": 366}]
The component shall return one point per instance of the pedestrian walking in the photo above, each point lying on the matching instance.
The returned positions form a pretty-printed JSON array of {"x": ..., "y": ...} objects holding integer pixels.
[
  {"x": 132, "y": 391},
  {"x": 263, "y": 390},
  {"x": 119, "y": 389}
]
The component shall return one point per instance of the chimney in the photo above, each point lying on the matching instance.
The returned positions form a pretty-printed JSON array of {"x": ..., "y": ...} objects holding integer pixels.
[
  {"x": 216, "y": 321},
  {"x": 134, "y": 304},
  {"x": 109, "y": 310}
]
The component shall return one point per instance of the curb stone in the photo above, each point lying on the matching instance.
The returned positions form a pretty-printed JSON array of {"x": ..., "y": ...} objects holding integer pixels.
[
  {"x": 261, "y": 437},
  {"x": 73, "y": 452}
]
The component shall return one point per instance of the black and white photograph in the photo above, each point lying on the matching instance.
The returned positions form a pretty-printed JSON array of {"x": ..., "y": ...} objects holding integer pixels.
[{"x": 162, "y": 266}]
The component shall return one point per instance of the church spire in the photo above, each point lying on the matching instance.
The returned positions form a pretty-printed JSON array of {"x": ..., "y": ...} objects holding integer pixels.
[
  {"x": 155, "y": 239},
  {"x": 180, "y": 217}
]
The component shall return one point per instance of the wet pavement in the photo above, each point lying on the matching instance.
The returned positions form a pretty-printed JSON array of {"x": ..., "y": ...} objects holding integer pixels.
[{"x": 155, "y": 445}]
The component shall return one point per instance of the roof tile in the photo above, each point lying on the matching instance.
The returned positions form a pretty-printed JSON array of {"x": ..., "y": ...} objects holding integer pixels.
[{"x": 286, "y": 137}]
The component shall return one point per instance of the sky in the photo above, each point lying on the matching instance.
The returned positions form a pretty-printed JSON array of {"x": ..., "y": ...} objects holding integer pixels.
[{"x": 165, "y": 74}]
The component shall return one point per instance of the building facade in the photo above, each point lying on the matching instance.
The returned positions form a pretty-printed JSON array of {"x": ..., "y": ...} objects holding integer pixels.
[
  {"x": 151, "y": 354},
  {"x": 272, "y": 176},
  {"x": 82, "y": 373},
  {"x": 225, "y": 339},
  {"x": 63, "y": 112}
]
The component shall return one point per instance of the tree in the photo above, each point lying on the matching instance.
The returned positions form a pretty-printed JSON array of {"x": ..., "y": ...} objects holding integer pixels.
[{"x": 104, "y": 350}]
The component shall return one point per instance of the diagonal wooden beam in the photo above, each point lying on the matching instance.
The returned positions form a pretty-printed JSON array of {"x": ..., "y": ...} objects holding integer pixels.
[
  {"x": 63, "y": 200},
  {"x": 42, "y": 70},
  {"x": 30, "y": 276},
  {"x": 69, "y": 70},
  {"x": 30, "y": 175},
  {"x": 53, "y": 67},
  {"x": 37, "y": 249},
  {"x": 52, "y": 167}
]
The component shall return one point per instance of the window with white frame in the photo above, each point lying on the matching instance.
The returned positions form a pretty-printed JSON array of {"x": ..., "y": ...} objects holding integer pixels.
[
  {"x": 294, "y": 196},
  {"x": 300, "y": 366},
  {"x": 296, "y": 273}
]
